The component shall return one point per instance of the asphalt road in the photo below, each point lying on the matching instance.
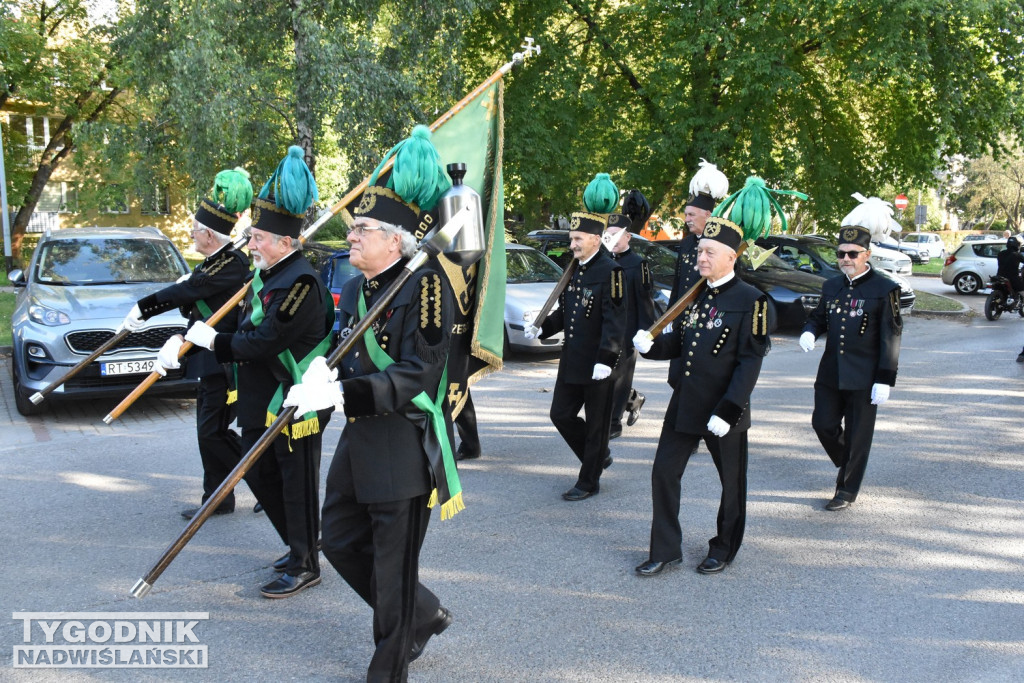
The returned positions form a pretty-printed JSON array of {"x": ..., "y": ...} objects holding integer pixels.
[{"x": 921, "y": 580}]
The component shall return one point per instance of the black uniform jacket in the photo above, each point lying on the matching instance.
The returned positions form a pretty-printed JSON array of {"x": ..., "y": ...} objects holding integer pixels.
[
  {"x": 387, "y": 443},
  {"x": 295, "y": 319},
  {"x": 863, "y": 323},
  {"x": 639, "y": 304},
  {"x": 686, "y": 267},
  {"x": 592, "y": 313},
  {"x": 721, "y": 340},
  {"x": 215, "y": 280},
  {"x": 1008, "y": 265}
]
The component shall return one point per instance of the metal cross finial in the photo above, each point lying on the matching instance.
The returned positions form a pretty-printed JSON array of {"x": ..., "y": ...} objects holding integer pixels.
[{"x": 528, "y": 48}]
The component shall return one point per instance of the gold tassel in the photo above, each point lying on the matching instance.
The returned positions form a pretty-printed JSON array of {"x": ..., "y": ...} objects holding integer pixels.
[
  {"x": 305, "y": 428},
  {"x": 433, "y": 500},
  {"x": 232, "y": 396},
  {"x": 452, "y": 507}
]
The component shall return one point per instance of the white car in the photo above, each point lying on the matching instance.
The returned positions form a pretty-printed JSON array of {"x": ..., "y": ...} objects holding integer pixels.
[
  {"x": 888, "y": 258},
  {"x": 972, "y": 265},
  {"x": 530, "y": 278},
  {"x": 928, "y": 242}
]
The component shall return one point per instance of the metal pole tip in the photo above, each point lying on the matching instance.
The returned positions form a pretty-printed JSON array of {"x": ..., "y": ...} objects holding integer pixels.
[
  {"x": 36, "y": 398},
  {"x": 141, "y": 589},
  {"x": 110, "y": 418}
]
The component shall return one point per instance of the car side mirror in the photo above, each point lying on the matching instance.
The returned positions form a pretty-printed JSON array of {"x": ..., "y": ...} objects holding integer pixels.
[
  {"x": 17, "y": 277},
  {"x": 806, "y": 267}
]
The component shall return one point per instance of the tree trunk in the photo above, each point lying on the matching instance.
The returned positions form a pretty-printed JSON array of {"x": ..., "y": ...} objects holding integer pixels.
[{"x": 304, "y": 93}]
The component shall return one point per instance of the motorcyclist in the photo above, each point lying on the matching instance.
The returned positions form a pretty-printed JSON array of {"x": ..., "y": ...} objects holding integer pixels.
[{"x": 1009, "y": 263}]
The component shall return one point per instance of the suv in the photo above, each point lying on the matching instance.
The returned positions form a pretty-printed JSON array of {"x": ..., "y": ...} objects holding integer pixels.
[
  {"x": 818, "y": 256},
  {"x": 972, "y": 265},
  {"x": 925, "y": 242},
  {"x": 79, "y": 285}
]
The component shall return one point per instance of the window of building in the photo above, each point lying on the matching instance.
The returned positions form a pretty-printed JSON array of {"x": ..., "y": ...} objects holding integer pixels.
[
  {"x": 115, "y": 199},
  {"x": 58, "y": 197},
  {"x": 157, "y": 201}
]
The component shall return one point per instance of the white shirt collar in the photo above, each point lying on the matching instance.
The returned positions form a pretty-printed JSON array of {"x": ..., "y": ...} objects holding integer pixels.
[{"x": 728, "y": 276}]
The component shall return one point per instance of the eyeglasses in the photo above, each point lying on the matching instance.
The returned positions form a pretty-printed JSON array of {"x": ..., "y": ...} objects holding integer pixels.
[
  {"x": 360, "y": 230},
  {"x": 840, "y": 254}
]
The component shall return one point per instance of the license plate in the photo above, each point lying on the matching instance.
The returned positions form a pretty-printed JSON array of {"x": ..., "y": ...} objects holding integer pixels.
[{"x": 127, "y": 367}]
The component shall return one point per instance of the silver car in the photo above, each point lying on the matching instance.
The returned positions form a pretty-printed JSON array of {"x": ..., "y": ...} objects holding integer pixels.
[
  {"x": 972, "y": 265},
  {"x": 531, "y": 277},
  {"x": 77, "y": 289}
]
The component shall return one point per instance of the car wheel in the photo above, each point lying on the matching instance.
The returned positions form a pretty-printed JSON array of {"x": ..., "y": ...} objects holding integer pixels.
[
  {"x": 967, "y": 283},
  {"x": 21, "y": 396}
]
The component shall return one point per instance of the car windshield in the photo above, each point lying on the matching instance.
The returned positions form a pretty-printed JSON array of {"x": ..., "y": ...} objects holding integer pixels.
[
  {"x": 529, "y": 265},
  {"x": 773, "y": 262},
  {"x": 107, "y": 261},
  {"x": 342, "y": 273},
  {"x": 660, "y": 259},
  {"x": 826, "y": 252},
  {"x": 913, "y": 238}
]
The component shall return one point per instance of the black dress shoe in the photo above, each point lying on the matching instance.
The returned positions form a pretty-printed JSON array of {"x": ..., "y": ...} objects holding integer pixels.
[
  {"x": 634, "y": 412},
  {"x": 616, "y": 432},
  {"x": 575, "y": 494},
  {"x": 434, "y": 627},
  {"x": 837, "y": 503},
  {"x": 711, "y": 565},
  {"x": 607, "y": 463},
  {"x": 650, "y": 568},
  {"x": 287, "y": 585},
  {"x": 222, "y": 510},
  {"x": 281, "y": 563},
  {"x": 466, "y": 454},
  {"x": 258, "y": 507}
]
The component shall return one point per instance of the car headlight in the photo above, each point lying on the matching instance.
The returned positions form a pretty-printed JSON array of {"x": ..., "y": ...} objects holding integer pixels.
[
  {"x": 530, "y": 316},
  {"x": 48, "y": 316}
]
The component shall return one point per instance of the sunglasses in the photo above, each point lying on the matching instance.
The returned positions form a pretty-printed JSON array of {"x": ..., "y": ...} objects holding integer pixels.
[{"x": 849, "y": 254}]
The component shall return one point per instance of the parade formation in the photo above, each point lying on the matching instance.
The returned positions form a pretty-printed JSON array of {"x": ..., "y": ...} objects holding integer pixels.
[{"x": 272, "y": 368}]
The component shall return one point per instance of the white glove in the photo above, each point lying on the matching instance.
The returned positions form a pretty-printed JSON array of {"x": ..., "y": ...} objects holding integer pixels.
[
  {"x": 531, "y": 332},
  {"x": 601, "y": 371},
  {"x": 132, "y": 322},
  {"x": 879, "y": 394},
  {"x": 201, "y": 335},
  {"x": 807, "y": 341},
  {"x": 167, "y": 357},
  {"x": 183, "y": 278},
  {"x": 643, "y": 341},
  {"x": 319, "y": 389},
  {"x": 718, "y": 426}
]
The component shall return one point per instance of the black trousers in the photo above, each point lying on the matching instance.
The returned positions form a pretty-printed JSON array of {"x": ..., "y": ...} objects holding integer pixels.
[
  {"x": 375, "y": 547},
  {"x": 623, "y": 390},
  {"x": 286, "y": 480},
  {"x": 729, "y": 454},
  {"x": 845, "y": 424},
  {"x": 219, "y": 446},
  {"x": 588, "y": 438},
  {"x": 465, "y": 423}
]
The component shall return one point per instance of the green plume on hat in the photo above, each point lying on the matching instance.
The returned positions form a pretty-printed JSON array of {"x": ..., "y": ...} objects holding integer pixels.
[
  {"x": 417, "y": 175},
  {"x": 601, "y": 194},
  {"x": 232, "y": 189},
  {"x": 751, "y": 207},
  {"x": 292, "y": 185}
]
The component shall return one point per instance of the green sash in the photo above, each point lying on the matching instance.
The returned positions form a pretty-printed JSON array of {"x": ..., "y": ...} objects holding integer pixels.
[
  {"x": 448, "y": 489},
  {"x": 310, "y": 424},
  {"x": 206, "y": 311}
]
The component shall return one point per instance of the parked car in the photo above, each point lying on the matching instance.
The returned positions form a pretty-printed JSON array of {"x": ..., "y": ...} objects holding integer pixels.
[
  {"x": 887, "y": 257},
  {"x": 530, "y": 278},
  {"x": 980, "y": 238},
  {"x": 78, "y": 287},
  {"x": 791, "y": 293},
  {"x": 818, "y": 256},
  {"x": 916, "y": 254},
  {"x": 927, "y": 242},
  {"x": 972, "y": 265}
]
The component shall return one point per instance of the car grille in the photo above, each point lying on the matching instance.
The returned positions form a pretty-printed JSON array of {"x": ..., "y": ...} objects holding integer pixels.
[
  {"x": 149, "y": 339},
  {"x": 810, "y": 301},
  {"x": 90, "y": 378}
]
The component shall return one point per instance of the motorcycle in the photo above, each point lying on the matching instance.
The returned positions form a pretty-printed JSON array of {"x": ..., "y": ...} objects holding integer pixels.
[{"x": 1002, "y": 299}]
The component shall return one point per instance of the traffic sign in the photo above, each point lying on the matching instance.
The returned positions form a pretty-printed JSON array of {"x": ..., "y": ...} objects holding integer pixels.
[{"x": 901, "y": 202}]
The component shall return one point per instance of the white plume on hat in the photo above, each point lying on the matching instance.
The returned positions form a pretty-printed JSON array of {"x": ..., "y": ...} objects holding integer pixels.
[
  {"x": 873, "y": 214},
  {"x": 709, "y": 180}
]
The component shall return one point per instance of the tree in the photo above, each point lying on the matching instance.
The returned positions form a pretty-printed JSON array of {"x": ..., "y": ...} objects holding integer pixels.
[
  {"x": 995, "y": 189},
  {"x": 57, "y": 61}
]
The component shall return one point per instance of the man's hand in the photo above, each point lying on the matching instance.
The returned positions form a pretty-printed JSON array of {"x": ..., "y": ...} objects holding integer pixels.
[
  {"x": 201, "y": 335},
  {"x": 167, "y": 357},
  {"x": 531, "y": 332},
  {"x": 879, "y": 394},
  {"x": 132, "y": 322},
  {"x": 319, "y": 389},
  {"x": 807, "y": 341},
  {"x": 718, "y": 426},
  {"x": 643, "y": 341},
  {"x": 601, "y": 371}
]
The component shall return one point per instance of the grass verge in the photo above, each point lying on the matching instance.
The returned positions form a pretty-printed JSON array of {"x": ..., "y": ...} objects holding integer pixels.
[
  {"x": 933, "y": 302},
  {"x": 933, "y": 267}
]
